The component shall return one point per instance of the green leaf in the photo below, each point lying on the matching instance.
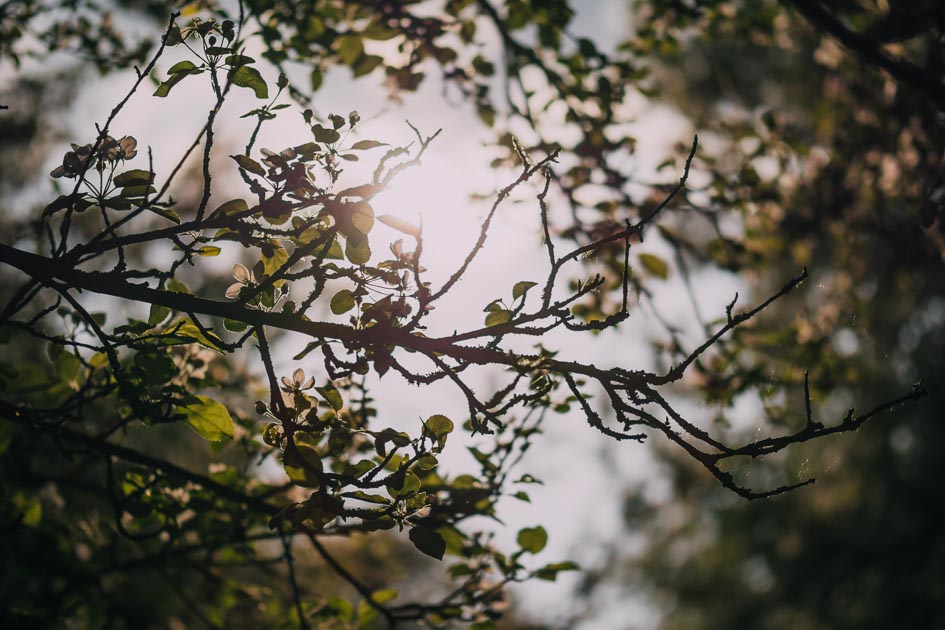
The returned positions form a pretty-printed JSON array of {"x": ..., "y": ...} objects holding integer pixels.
[
  {"x": 176, "y": 286},
  {"x": 235, "y": 206},
  {"x": 238, "y": 60},
  {"x": 400, "y": 225},
  {"x": 182, "y": 67},
  {"x": 342, "y": 302},
  {"x": 385, "y": 595},
  {"x": 158, "y": 314},
  {"x": 411, "y": 484},
  {"x": 532, "y": 539},
  {"x": 357, "y": 250},
  {"x": 208, "y": 250},
  {"x": 428, "y": 541},
  {"x": 366, "y": 64},
  {"x": 134, "y": 177},
  {"x": 249, "y": 77},
  {"x": 364, "y": 145},
  {"x": 165, "y": 88},
  {"x": 331, "y": 395},
  {"x": 655, "y": 265},
  {"x": 308, "y": 348},
  {"x": 117, "y": 203},
  {"x": 130, "y": 192},
  {"x": 234, "y": 325},
  {"x": 362, "y": 217},
  {"x": 209, "y": 418},
  {"x": 335, "y": 252},
  {"x": 439, "y": 427},
  {"x": 360, "y": 469},
  {"x": 190, "y": 330},
  {"x": 550, "y": 571},
  {"x": 521, "y": 288},
  {"x": 166, "y": 213},
  {"x": 367, "y": 613},
  {"x": 350, "y": 47},
  {"x": 158, "y": 367},
  {"x": 60, "y": 203},
  {"x": 249, "y": 164},
  {"x": 315, "y": 78},
  {"x": 274, "y": 257},
  {"x": 496, "y": 318},
  {"x": 369, "y": 498},
  {"x": 325, "y": 135},
  {"x": 67, "y": 366},
  {"x": 426, "y": 462}
]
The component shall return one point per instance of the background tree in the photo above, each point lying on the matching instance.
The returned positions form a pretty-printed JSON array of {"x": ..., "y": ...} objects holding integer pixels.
[
  {"x": 833, "y": 119},
  {"x": 90, "y": 490}
]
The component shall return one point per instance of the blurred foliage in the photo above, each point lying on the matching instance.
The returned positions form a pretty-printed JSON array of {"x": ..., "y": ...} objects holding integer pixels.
[{"x": 828, "y": 160}]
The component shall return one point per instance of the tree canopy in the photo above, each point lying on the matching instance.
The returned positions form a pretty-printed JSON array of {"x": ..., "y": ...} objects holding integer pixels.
[{"x": 183, "y": 448}]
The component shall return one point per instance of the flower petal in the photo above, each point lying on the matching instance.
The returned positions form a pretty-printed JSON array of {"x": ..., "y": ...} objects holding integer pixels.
[
  {"x": 233, "y": 291},
  {"x": 298, "y": 377},
  {"x": 241, "y": 273}
]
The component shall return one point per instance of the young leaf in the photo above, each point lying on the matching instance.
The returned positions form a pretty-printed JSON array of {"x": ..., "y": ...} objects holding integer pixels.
[
  {"x": 495, "y": 318},
  {"x": 532, "y": 539},
  {"x": 521, "y": 288},
  {"x": 342, "y": 302},
  {"x": 439, "y": 427}
]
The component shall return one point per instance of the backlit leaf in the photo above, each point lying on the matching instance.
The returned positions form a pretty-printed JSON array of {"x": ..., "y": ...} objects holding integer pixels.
[
  {"x": 400, "y": 225},
  {"x": 249, "y": 77},
  {"x": 209, "y": 418},
  {"x": 342, "y": 302},
  {"x": 521, "y": 288}
]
